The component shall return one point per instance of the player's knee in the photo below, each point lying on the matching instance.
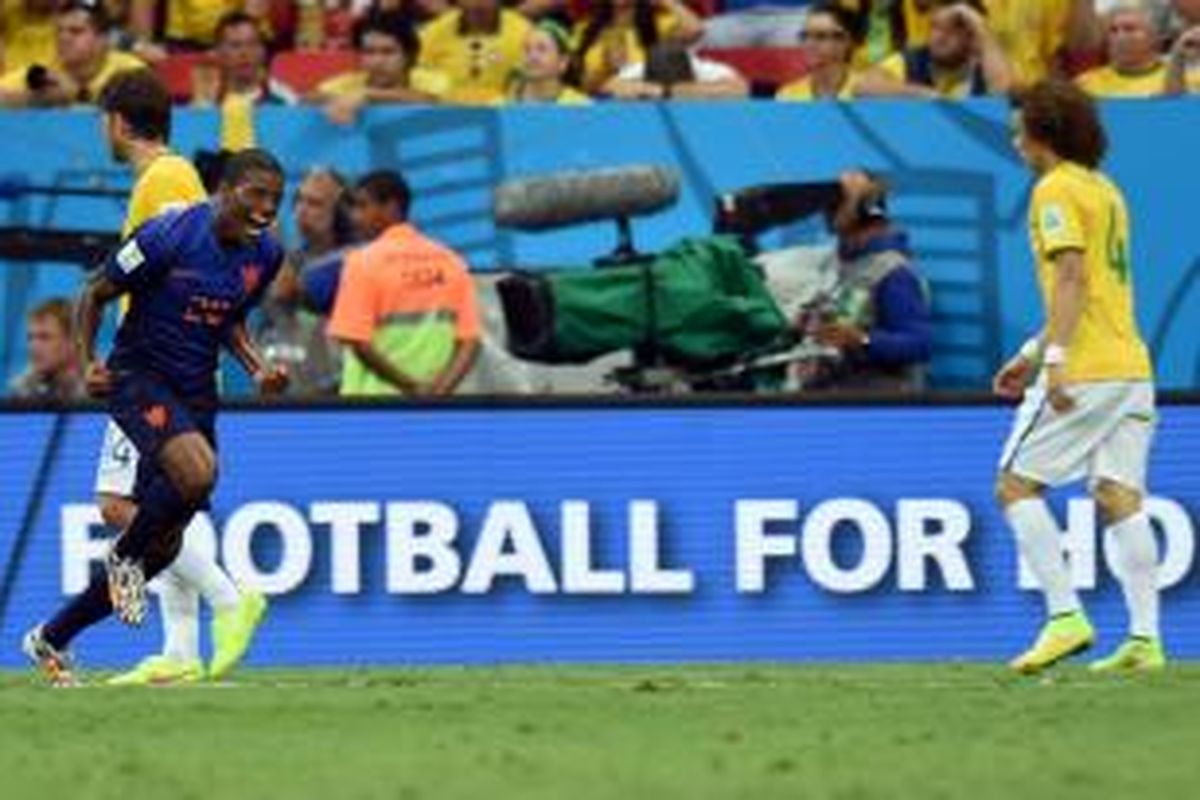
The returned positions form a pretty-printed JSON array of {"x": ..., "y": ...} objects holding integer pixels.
[
  {"x": 1115, "y": 501},
  {"x": 192, "y": 467},
  {"x": 116, "y": 511},
  {"x": 196, "y": 482},
  {"x": 1012, "y": 488}
]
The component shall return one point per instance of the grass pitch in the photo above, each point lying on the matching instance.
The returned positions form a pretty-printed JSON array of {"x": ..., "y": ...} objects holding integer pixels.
[{"x": 610, "y": 732}]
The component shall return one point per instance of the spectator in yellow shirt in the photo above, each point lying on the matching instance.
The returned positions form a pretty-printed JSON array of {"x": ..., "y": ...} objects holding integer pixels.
[
  {"x": 478, "y": 46},
  {"x": 618, "y": 33},
  {"x": 189, "y": 24},
  {"x": 544, "y": 69},
  {"x": 388, "y": 48},
  {"x": 831, "y": 34},
  {"x": 1183, "y": 64},
  {"x": 1035, "y": 34},
  {"x": 962, "y": 59},
  {"x": 26, "y": 33},
  {"x": 82, "y": 65},
  {"x": 1134, "y": 68}
]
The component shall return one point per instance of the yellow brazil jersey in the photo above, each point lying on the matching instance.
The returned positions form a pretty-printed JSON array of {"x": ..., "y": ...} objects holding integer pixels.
[
  {"x": 28, "y": 38},
  {"x": 946, "y": 84},
  {"x": 354, "y": 84},
  {"x": 114, "y": 63},
  {"x": 1031, "y": 33},
  {"x": 1074, "y": 208},
  {"x": 1109, "y": 82},
  {"x": 802, "y": 89},
  {"x": 478, "y": 66},
  {"x": 169, "y": 181},
  {"x": 237, "y": 122},
  {"x": 196, "y": 20},
  {"x": 617, "y": 45}
]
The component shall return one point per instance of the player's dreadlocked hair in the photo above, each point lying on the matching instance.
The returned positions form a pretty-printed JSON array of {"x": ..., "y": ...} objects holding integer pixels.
[
  {"x": 1063, "y": 117},
  {"x": 243, "y": 162}
]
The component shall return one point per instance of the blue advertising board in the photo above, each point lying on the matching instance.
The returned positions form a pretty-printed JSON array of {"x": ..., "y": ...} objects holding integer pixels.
[{"x": 458, "y": 535}]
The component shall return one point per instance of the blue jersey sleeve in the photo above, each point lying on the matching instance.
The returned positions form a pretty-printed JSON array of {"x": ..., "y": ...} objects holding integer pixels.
[
  {"x": 319, "y": 283},
  {"x": 903, "y": 330},
  {"x": 145, "y": 257}
]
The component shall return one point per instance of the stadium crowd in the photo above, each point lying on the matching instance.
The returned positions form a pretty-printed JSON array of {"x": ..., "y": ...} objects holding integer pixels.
[{"x": 348, "y": 53}]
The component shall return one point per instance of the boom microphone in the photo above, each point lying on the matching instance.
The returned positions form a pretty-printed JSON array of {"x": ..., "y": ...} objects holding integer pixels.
[{"x": 575, "y": 197}]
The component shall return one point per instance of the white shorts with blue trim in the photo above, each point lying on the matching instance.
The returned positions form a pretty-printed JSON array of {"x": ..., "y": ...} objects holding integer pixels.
[{"x": 1107, "y": 435}]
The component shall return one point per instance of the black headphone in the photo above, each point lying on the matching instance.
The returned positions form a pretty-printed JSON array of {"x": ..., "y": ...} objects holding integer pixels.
[{"x": 343, "y": 222}]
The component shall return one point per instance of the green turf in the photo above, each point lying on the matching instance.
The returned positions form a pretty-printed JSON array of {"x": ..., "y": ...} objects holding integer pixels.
[{"x": 611, "y": 732}]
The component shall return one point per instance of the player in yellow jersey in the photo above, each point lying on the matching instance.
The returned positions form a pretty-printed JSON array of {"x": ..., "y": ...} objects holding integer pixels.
[
  {"x": 1090, "y": 413},
  {"x": 137, "y": 121}
]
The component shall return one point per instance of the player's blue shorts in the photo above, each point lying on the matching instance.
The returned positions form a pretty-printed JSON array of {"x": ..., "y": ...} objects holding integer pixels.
[{"x": 150, "y": 413}]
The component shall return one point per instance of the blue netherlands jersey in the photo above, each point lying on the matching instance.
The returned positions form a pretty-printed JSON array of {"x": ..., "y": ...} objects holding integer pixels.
[{"x": 187, "y": 294}]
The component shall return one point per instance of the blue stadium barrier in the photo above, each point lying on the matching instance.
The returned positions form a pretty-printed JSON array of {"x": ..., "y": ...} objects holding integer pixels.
[
  {"x": 960, "y": 189},
  {"x": 435, "y": 535}
]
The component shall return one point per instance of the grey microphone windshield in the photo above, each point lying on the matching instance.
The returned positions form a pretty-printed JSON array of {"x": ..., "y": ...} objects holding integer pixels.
[{"x": 575, "y": 197}]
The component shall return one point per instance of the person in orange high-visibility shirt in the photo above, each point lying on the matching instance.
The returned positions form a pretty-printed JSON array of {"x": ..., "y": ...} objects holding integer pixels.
[{"x": 406, "y": 307}]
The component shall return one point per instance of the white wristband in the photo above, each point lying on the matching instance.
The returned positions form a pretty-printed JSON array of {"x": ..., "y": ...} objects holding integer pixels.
[
  {"x": 1032, "y": 349},
  {"x": 1055, "y": 355}
]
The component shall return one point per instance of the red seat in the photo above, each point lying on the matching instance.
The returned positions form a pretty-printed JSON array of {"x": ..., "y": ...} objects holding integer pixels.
[
  {"x": 770, "y": 65},
  {"x": 302, "y": 70},
  {"x": 176, "y": 73}
]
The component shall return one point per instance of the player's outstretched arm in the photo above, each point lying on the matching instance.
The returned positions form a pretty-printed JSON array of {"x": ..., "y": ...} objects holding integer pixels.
[{"x": 89, "y": 312}]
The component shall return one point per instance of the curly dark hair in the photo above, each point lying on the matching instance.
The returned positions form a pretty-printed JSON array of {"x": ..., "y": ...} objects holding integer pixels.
[{"x": 1064, "y": 117}]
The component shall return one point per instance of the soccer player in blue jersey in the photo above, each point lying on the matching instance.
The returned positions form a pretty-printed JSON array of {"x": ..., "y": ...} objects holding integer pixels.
[{"x": 192, "y": 276}]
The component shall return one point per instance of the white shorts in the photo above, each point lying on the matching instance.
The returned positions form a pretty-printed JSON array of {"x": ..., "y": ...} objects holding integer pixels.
[
  {"x": 117, "y": 471},
  {"x": 1106, "y": 435}
]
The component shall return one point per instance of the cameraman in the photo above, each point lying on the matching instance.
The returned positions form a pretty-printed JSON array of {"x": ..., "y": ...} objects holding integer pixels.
[{"x": 873, "y": 327}]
